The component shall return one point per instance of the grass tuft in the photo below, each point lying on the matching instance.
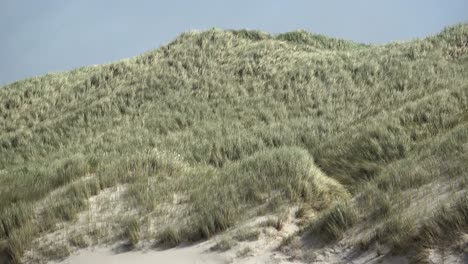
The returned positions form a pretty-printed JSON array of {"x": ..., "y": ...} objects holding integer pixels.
[
  {"x": 132, "y": 231},
  {"x": 224, "y": 244},
  {"x": 247, "y": 235},
  {"x": 169, "y": 237},
  {"x": 79, "y": 241},
  {"x": 335, "y": 221}
]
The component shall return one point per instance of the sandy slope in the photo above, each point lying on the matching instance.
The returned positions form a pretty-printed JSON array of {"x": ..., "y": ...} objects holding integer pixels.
[
  {"x": 201, "y": 254},
  {"x": 182, "y": 255},
  {"x": 264, "y": 249},
  {"x": 261, "y": 250}
]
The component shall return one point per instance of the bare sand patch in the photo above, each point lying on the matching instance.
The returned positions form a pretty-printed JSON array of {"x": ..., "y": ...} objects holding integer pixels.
[{"x": 182, "y": 255}]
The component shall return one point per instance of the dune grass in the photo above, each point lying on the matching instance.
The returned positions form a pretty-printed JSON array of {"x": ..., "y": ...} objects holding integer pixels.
[
  {"x": 218, "y": 123},
  {"x": 335, "y": 221},
  {"x": 224, "y": 244},
  {"x": 132, "y": 231}
]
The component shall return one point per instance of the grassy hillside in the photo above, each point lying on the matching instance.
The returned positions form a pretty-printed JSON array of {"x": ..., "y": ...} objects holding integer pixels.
[{"x": 372, "y": 139}]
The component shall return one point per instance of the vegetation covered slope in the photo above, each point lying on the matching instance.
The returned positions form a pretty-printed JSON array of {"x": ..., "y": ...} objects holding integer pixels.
[{"x": 231, "y": 121}]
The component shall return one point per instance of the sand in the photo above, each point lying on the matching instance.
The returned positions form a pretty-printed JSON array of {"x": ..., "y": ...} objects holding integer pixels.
[
  {"x": 200, "y": 254},
  {"x": 182, "y": 255},
  {"x": 263, "y": 250}
]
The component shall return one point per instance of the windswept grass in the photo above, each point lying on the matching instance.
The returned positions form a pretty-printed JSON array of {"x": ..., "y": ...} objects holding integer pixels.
[
  {"x": 335, "y": 221},
  {"x": 169, "y": 237},
  {"x": 445, "y": 223},
  {"x": 218, "y": 124},
  {"x": 285, "y": 172}
]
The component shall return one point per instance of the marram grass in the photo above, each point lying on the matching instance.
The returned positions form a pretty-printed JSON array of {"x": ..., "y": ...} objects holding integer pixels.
[{"x": 219, "y": 123}]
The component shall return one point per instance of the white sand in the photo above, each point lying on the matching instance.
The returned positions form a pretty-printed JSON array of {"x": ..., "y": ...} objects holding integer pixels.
[
  {"x": 262, "y": 251},
  {"x": 182, "y": 255},
  {"x": 198, "y": 254}
]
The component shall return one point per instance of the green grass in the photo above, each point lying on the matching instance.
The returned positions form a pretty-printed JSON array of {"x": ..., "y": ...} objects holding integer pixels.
[
  {"x": 335, "y": 221},
  {"x": 132, "y": 231},
  {"x": 218, "y": 124},
  {"x": 248, "y": 234},
  {"x": 169, "y": 237},
  {"x": 445, "y": 223}
]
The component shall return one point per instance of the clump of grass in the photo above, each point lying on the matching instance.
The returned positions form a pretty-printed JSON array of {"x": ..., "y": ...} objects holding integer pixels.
[
  {"x": 396, "y": 232},
  {"x": 224, "y": 244},
  {"x": 270, "y": 222},
  {"x": 289, "y": 171},
  {"x": 378, "y": 204},
  {"x": 250, "y": 182},
  {"x": 155, "y": 172},
  {"x": 244, "y": 252},
  {"x": 97, "y": 232},
  {"x": 66, "y": 205},
  {"x": 362, "y": 156},
  {"x": 274, "y": 204},
  {"x": 210, "y": 222},
  {"x": 288, "y": 240},
  {"x": 56, "y": 252},
  {"x": 71, "y": 168},
  {"x": 276, "y": 222},
  {"x": 292, "y": 246},
  {"x": 335, "y": 221},
  {"x": 446, "y": 224},
  {"x": 132, "y": 231},
  {"x": 318, "y": 41},
  {"x": 248, "y": 234},
  {"x": 13, "y": 217},
  {"x": 301, "y": 212},
  {"x": 169, "y": 237},
  {"x": 78, "y": 240},
  {"x": 67, "y": 209},
  {"x": 20, "y": 240},
  {"x": 250, "y": 34}
]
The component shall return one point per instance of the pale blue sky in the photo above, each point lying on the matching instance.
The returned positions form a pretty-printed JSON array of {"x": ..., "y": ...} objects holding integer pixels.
[{"x": 40, "y": 36}]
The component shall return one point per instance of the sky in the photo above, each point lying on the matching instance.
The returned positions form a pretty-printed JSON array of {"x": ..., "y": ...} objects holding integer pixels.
[{"x": 37, "y": 37}]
